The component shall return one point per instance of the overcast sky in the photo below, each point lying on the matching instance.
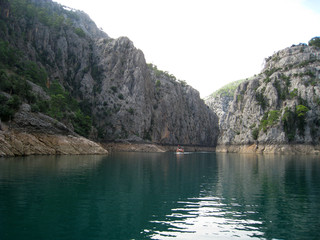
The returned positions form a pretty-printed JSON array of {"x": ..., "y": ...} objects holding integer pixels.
[{"x": 207, "y": 43}]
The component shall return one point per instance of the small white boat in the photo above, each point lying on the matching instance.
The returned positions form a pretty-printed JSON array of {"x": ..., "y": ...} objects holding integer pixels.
[{"x": 179, "y": 150}]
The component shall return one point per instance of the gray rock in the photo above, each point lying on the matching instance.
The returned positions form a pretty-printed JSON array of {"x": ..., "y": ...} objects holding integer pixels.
[{"x": 290, "y": 78}]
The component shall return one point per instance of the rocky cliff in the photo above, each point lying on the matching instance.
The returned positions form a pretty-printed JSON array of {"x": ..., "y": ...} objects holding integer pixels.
[
  {"x": 31, "y": 133},
  {"x": 100, "y": 87},
  {"x": 138, "y": 102},
  {"x": 219, "y": 101},
  {"x": 277, "y": 110}
]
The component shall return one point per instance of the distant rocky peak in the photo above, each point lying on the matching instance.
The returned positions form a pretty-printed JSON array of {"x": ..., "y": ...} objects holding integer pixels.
[
  {"x": 88, "y": 26},
  {"x": 291, "y": 57}
]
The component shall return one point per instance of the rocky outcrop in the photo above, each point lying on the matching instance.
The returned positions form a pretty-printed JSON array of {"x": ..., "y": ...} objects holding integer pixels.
[
  {"x": 17, "y": 143},
  {"x": 37, "y": 134},
  {"x": 277, "y": 108}
]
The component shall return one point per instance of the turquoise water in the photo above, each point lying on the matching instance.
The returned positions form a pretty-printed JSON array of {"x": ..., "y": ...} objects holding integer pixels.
[{"x": 160, "y": 196}]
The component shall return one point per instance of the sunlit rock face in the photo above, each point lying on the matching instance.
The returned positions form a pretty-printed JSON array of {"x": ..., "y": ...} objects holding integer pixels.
[
  {"x": 278, "y": 106},
  {"x": 37, "y": 134}
]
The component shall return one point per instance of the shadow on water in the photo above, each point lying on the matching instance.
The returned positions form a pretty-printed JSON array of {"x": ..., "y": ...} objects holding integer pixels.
[{"x": 160, "y": 196}]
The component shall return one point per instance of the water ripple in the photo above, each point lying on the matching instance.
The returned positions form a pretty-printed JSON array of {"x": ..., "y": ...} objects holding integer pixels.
[{"x": 207, "y": 217}]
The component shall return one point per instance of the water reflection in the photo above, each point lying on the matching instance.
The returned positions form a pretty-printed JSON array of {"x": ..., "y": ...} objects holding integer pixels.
[
  {"x": 24, "y": 166},
  {"x": 160, "y": 196},
  {"x": 249, "y": 196}
]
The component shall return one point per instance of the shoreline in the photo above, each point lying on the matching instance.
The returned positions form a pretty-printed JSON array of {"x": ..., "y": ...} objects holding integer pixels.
[
  {"x": 284, "y": 149},
  {"x": 13, "y": 143},
  {"x": 150, "y": 147}
]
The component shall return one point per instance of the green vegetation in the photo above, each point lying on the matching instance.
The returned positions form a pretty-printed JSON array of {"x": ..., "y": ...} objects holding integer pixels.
[
  {"x": 267, "y": 80},
  {"x": 8, "y": 107},
  {"x": 314, "y": 42},
  {"x": 293, "y": 93},
  {"x": 80, "y": 32},
  {"x": 15, "y": 73},
  {"x": 301, "y": 112},
  {"x": 158, "y": 73},
  {"x": 239, "y": 97},
  {"x": 51, "y": 15},
  {"x": 269, "y": 119},
  {"x": 40, "y": 11},
  {"x": 273, "y": 117},
  {"x": 255, "y": 133},
  {"x": 131, "y": 111},
  {"x": 228, "y": 90},
  {"x": 182, "y": 82},
  {"x": 264, "y": 122},
  {"x": 8, "y": 55},
  {"x": 81, "y": 123},
  {"x": 114, "y": 89},
  {"x": 286, "y": 80},
  {"x": 289, "y": 127},
  {"x": 62, "y": 106},
  {"x": 120, "y": 96},
  {"x": 262, "y": 101},
  {"x": 282, "y": 92},
  {"x": 269, "y": 72},
  {"x": 32, "y": 72},
  {"x": 294, "y": 120},
  {"x": 158, "y": 83}
]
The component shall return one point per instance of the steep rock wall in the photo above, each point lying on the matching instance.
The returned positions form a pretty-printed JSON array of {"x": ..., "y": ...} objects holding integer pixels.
[{"x": 280, "y": 106}]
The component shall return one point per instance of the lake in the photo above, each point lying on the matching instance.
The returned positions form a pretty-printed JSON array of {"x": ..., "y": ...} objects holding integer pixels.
[{"x": 160, "y": 196}]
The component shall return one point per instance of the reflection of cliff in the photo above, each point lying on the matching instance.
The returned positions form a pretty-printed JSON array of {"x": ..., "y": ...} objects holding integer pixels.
[
  {"x": 278, "y": 192},
  {"x": 248, "y": 196},
  {"x": 48, "y": 165},
  {"x": 240, "y": 175},
  {"x": 146, "y": 187}
]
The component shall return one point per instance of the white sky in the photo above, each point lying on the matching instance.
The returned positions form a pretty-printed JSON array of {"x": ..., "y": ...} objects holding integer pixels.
[{"x": 207, "y": 43}]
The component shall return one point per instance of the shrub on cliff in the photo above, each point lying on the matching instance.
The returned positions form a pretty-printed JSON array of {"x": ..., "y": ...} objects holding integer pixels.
[
  {"x": 314, "y": 42},
  {"x": 301, "y": 112},
  {"x": 289, "y": 124},
  {"x": 6, "y": 113},
  {"x": 227, "y": 90},
  {"x": 294, "y": 120},
  {"x": 255, "y": 133}
]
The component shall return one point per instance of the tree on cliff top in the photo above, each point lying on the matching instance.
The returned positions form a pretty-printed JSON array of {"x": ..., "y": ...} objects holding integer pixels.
[{"x": 314, "y": 42}]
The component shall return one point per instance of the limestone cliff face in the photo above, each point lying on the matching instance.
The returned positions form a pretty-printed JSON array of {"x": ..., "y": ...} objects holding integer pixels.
[
  {"x": 220, "y": 105},
  {"x": 126, "y": 98},
  {"x": 180, "y": 116},
  {"x": 279, "y": 106},
  {"x": 134, "y": 101}
]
